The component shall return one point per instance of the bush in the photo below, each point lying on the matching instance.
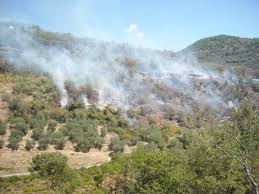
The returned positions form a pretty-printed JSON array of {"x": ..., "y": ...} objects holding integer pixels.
[
  {"x": 75, "y": 104},
  {"x": 24, "y": 86},
  {"x": 52, "y": 125},
  {"x": 37, "y": 123},
  {"x": 117, "y": 145},
  {"x": 83, "y": 144},
  {"x": 53, "y": 168},
  {"x": 2, "y": 128},
  {"x": 104, "y": 131},
  {"x": 58, "y": 114},
  {"x": 64, "y": 131},
  {"x": 16, "y": 134},
  {"x": 37, "y": 133},
  {"x": 21, "y": 126},
  {"x": 48, "y": 164},
  {"x": 17, "y": 106},
  {"x": 60, "y": 143},
  {"x": 84, "y": 134},
  {"x": 58, "y": 140},
  {"x": 43, "y": 142},
  {"x": 29, "y": 145},
  {"x": 13, "y": 142},
  {"x": 133, "y": 141},
  {"x": 161, "y": 172},
  {"x": 1, "y": 143}
]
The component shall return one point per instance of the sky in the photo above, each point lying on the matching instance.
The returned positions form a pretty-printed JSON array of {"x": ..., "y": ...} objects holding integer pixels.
[{"x": 162, "y": 24}]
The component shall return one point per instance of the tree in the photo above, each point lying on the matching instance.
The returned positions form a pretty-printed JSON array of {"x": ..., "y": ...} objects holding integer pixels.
[
  {"x": 49, "y": 164},
  {"x": 17, "y": 106},
  {"x": 58, "y": 140},
  {"x": 160, "y": 172},
  {"x": 212, "y": 171},
  {"x": 239, "y": 140},
  {"x": 29, "y": 145},
  {"x": 13, "y": 142},
  {"x": 54, "y": 168},
  {"x": 43, "y": 142},
  {"x": 83, "y": 133},
  {"x": 37, "y": 133},
  {"x": 21, "y": 126}
]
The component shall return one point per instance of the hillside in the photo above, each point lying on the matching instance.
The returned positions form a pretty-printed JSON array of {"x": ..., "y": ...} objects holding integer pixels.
[
  {"x": 68, "y": 105},
  {"x": 227, "y": 51}
]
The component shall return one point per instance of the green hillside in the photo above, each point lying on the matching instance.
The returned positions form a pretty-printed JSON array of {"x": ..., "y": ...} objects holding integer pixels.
[{"x": 228, "y": 51}]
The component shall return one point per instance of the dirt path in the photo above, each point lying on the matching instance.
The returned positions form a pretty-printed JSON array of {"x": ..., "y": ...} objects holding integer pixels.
[{"x": 15, "y": 174}]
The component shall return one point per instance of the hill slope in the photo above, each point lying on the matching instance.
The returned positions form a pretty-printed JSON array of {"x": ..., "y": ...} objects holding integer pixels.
[{"x": 227, "y": 51}]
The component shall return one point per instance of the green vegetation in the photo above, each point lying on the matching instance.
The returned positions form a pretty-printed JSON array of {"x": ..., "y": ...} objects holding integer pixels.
[
  {"x": 117, "y": 145},
  {"x": 1, "y": 143},
  {"x": 220, "y": 159},
  {"x": 53, "y": 167},
  {"x": 228, "y": 51},
  {"x": 29, "y": 145},
  {"x": 2, "y": 128}
]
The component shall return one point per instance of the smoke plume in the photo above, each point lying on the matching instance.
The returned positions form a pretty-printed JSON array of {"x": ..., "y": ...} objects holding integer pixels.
[{"x": 121, "y": 75}]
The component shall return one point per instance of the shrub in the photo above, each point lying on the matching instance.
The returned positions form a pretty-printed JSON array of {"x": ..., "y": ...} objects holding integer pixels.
[
  {"x": 83, "y": 133},
  {"x": 58, "y": 140},
  {"x": 13, "y": 142},
  {"x": 161, "y": 172},
  {"x": 43, "y": 142},
  {"x": 37, "y": 133},
  {"x": 17, "y": 106},
  {"x": 24, "y": 86},
  {"x": 52, "y": 125},
  {"x": 1, "y": 143},
  {"x": 16, "y": 134},
  {"x": 64, "y": 131},
  {"x": 37, "y": 123},
  {"x": 117, "y": 145},
  {"x": 83, "y": 144},
  {"x": 48, "y": 164},
  {"x": 21, "y": 126},
  {"x": 133, "y": 141},
  {"x": 53, "y": 168},
  {"x": 58, "y": 114},
  {"x": 75, "y": 104},
  {"x": 29, "y": 145},
  {"x": 60, "y": 143},
  {"x": 103, "y": 131},
  {"x": 2, "y": 128}
]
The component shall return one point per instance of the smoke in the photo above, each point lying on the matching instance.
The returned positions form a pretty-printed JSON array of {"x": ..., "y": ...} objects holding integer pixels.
[{"x": 122, "y": 76}]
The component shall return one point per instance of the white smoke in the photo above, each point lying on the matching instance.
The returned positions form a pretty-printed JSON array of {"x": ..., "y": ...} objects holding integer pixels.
[{"x": 123, "y": 75}]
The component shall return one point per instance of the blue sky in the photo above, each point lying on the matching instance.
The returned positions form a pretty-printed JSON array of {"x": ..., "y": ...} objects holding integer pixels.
[{"x": 164, "y": 24}]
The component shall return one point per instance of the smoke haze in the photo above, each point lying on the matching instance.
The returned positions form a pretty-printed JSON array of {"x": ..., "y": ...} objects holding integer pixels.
[{"x": 122, "y": 75}]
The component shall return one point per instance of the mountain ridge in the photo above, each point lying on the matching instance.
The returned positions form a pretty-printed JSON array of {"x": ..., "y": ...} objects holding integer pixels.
[{"x": 228, "y": 51}]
